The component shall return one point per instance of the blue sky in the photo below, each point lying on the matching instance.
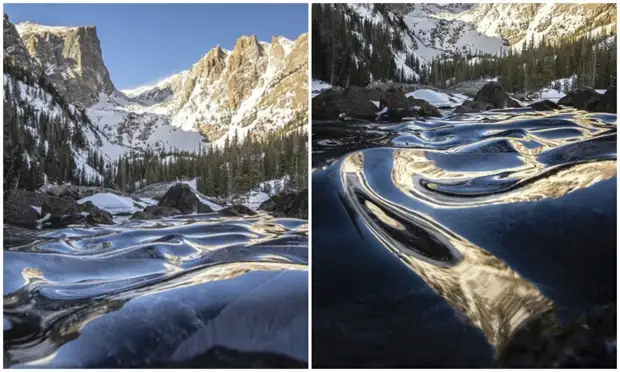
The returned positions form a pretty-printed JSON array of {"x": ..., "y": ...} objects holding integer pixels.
[{"x": 143, "y": 43}]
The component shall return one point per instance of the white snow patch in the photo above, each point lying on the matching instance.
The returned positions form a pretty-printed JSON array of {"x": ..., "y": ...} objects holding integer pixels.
[
  {"x": 111, "y": 202},
  {"x": 435, "y": 98}
]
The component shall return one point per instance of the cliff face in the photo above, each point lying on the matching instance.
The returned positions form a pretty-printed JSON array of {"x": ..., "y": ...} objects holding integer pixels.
[
  {"x": 257, "y": 87},
  {"x": 71, "y": 58},
  {"x": 16, "y": 51}
]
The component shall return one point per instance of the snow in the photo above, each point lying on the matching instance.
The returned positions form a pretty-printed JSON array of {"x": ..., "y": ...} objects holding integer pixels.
[
  {"x": 111, "y": 202},
  {"x": 192, "y": 184},
  {"x": 148, "y": 201},
  {"x": 319, "y": 86},
  {"x": 29, "y": 28},
  {"x": 255, "y": 199},
  {"x": 435, "y": 98},
  {"x": 263, "y": 192},
  {"x": 557, "y": 89}
]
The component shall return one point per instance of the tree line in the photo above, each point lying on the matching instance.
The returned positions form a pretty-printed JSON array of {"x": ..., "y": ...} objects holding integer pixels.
[
  {"x": 236, "y": 168},
  {"x": 38, "y": 147},
  {"x": 351, "y": 50},
  {"x": 41, "y": 146},
  {"x": 591, "y": 60}
]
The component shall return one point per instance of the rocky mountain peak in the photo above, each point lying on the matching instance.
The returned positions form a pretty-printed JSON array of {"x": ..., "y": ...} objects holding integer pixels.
[
  {"x": 247, "y": 48},
  {"x": 15, "y": 49},
  {"x": 71, "y": 58}
]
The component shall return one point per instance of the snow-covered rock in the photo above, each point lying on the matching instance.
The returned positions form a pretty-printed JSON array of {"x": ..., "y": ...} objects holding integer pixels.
[
  {"x": 112, "y": 203},
  {"x": 437, "y": 99}
]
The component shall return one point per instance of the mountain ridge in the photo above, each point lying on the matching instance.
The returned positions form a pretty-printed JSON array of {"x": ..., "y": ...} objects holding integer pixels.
[{"x": 223, "y": 93}]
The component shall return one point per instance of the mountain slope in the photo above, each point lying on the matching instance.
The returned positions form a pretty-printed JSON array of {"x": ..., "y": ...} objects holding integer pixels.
[
  {"x": 71, "y": 58},
  {"x": 255, "y": 87},
  {"x": 405, "y": 38}
]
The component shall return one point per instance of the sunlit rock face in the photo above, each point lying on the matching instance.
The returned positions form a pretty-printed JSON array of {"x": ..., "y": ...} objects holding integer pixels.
[
  {"x": 256, "y": 88},
  {"x": 71, "y": 59}
]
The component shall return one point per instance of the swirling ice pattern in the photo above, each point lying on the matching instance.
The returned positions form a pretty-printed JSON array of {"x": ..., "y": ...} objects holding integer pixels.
[
  {"x": 158, "y": 293},
  {"x": 404, "y": 183}
]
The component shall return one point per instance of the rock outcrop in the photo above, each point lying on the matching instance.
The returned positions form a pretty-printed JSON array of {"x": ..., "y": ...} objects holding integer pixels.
[
  {"x": 237, "y": 210},
  {"x": 582, "y": 99},
  {"x": 71, "y": 58},
  {"x": 545, "y": 105},
  {"x": 15, "y": 50},
  {"x": 608, "y": 101},
  {"x": 353, "y": 101},
  {"x": 181, "y": 197},
  {"x": 494, "y": 94},
  {"x": 19, "y": 209},
  {"x": 425, "y": 108},
  {"x": 288, "y": 204}
]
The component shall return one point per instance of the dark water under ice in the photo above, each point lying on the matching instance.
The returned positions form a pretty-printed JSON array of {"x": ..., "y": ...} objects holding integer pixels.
[
  {"x": 192, "y": 291},
  {"x": 472, "y": 240}
]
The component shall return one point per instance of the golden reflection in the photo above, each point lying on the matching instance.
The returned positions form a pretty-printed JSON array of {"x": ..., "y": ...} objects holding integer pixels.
[
  {"x": 213, "y": 273},
  {"x": 492, "y": 295},
  {"x": 411, "y": 166}
]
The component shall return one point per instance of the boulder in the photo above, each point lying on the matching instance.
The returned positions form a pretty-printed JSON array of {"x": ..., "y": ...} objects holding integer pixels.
[
  {"x": 203, "y": 208},
  {"x": 236, "y": 210},
  {"x": 59, "y": 207},
  {"x": 608, "y": 101},
  {"x": 510, "y": 102},
  {"x": 398, "y": 114},
  {"x": 582, "y": 99},
  {"x": 393, "y": 100},
  {"x": 154, "y": 212},
  {"x": 353, "y": 101},
  {"x": 492, "y": 93},
  {"x": 18, "y": 212},
  {"x": 96, "y": 215},
  {"x": 288, "y": 204},
  {"x": 182, "y": 197},
  {"x": 545, "y": 105},
  {"x": 471, "y": 106},
  {"x": 425, "y": 108}
]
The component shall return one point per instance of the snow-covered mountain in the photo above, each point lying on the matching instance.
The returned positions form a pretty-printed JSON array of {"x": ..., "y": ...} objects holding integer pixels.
[
  {"x": 431, "y": 30},
  {"x": 258, "y": 87}
]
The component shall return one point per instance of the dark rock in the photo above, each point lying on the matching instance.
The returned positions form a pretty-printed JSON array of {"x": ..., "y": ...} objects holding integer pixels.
[
  {"x": 288, "y": 204},
  {"x": 545, "y": 105},
  {"x": 393, "y": 100},
  {"x": 398, "y": 114},
  {"x": 139, "y": 215},
  {"x": 59, "y": 207},
  {"x": 236, "y": 210},
  {"x": 57, "y": 222},
  {"x": 76, "y": 192},
  {"x": 182, "y": 197},
  {"x": 510, "y": 102},
  {"x": 63, "y": 211},
  {"x": 19, "y": 213},
  {"x": 471, "y": 106},
  {"x": 96, "y": 215},
  {"x": 426, "y": 109},
  {"x": 493, "y": 93},
  {"x": 353, "y": 101},
  {"x": 154, "y": 212},
  {"x": 203, "y": 208},
  {"x": 582, "y": 99},
  {"x": 608, "y": 101}
]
